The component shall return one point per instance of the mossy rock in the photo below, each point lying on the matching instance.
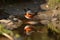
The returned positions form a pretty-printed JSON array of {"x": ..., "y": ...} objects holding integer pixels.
[{"x": 53, "y": 3}]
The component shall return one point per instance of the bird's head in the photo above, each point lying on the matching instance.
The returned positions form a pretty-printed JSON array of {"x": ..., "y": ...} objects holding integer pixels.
[{"x": 29, "y": 14}]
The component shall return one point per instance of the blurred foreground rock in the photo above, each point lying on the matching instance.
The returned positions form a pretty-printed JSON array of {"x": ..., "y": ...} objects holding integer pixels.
[
  {"x": 51, "y": 16},
  {"x": 10, "y": 24}
]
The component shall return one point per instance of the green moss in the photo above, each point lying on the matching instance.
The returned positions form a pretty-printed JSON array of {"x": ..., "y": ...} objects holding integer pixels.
[
  {"x": 3, "y": 30},
  {"x": 53, "y": 28},
  {"x": 53, "y": 3},
  {"x": 17, "y": 35}
]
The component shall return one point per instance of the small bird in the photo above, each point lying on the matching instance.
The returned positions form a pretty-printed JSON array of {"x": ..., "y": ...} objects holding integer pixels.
[{"x": 29, "y": 14}]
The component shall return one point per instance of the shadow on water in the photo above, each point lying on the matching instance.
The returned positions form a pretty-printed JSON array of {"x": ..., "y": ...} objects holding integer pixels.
[
  {"x": 17, "y": 6},
  {"x": 39, "y": 3},
  {"x": 13, "y": 1},
  {"x": 20, "y": 30},
  {"x": 3, "y": 15},
  {"x": 16, "y": 1}
]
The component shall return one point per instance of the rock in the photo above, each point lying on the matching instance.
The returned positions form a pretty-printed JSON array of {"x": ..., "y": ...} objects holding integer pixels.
[
  {"x": 44, "y": 22},
  {"x": 43, "y": 16},
  {"x": 32, "y": 22},
  {"x": 53, "y": 19},
  {"x": 10, "y": 24}
]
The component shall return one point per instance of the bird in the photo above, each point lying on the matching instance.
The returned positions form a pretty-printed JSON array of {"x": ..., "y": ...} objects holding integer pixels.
[
  {"x": 32, "y": 17},
  {"x": 29, "y": 14}
]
